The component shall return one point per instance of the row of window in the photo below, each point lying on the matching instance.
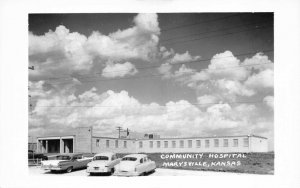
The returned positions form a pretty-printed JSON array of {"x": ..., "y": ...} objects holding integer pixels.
[
  {"x": 108, "y": 143},
  {"x": 235, "y": 143},
  {"x": 198, "y": 143}
]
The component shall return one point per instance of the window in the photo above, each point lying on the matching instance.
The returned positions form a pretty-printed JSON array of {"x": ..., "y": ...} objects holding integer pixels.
[
  {"x": 190, "y": 143},
  {"x": 225, "y": 142},
  {"x": 158, "y": 144},
  {"x": 129, "y": 159},
  {"x": 63, "y": 157},
  {"x": 107, "y": 143},
  {"x": 166, "y": 144},
  {"x": 125, "y": 144},
  {"x": 206, "y": 143},
  {"x": 235, "y": 142},
  {"x": 117, "y": 143},
  {"x": 151, "y": 144},
  {"x": 246, "y": 142},
  {"x": 141, "y": 144},
  {"x": 100, "y": 158},
  {"x": 216, "y": 142},
  {"x": 97, "y": 142},
  {"x": 174, "y": 144},
  {"x": 141, "y": 160},
  {"x": 198, "y": 142},
  {"x": 181, "y": 143}
]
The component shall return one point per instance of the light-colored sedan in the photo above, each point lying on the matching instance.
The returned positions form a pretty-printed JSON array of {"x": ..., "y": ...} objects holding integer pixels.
[
  {"x": 103, "y": 163},
  {"x": 135, "y": 165},
  {"x": 67, "y": 162}
]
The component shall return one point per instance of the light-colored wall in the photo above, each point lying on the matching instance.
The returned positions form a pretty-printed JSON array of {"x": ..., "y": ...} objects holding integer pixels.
[
  {"x": 194, "y": 148},
  {"x": 133, "y": 146},
  {"x": 83, "y": 140},
  {"x": 259, "y": 144}
]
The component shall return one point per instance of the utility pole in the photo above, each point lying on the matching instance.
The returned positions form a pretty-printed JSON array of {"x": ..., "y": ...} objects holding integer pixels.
[
  {"x": 29, "y": 96},
  {"x": 119, "y": 129}
]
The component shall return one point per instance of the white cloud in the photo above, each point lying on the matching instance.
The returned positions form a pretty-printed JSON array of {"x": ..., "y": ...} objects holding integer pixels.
[
  {"x": 185, "y": 57},
  {"x": 269, "y": 101},
  {"x": 206, "y": 99},
  {"x": 62, "y": 52},
  {"x": 226, "y": 76},
  {"x": 263, "y": 79},
  {"x": 165, "y": 70},
  {"x": 234, "y": 87},
  {"x": 139, "y": 41},
  {"x": 109, "y": 109},
  {"x": 119, "y": 70}
]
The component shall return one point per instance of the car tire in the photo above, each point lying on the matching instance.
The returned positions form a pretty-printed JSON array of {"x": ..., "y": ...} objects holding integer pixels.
[
  {"x": 112, "y": 171},
  {"x": 69, "y": 169}
]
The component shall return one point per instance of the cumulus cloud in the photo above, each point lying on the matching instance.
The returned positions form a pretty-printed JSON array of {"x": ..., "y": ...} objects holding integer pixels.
[
  {"x": 226, "y": 77},
  {"x": 119, "y": 70},
  {"x": 234, "y": 87},
  {"x": 263, "y": 79},
  {"x": 206, "y": 99},
  {"x": 139, "y": 41},
  {"x": 170, "y": 58},
  {"x": 62, "y": 52},
  {"x": 106, "y": 110},
  {"x": 185, "y": 57},
  {"x": 269, "y": 101}
]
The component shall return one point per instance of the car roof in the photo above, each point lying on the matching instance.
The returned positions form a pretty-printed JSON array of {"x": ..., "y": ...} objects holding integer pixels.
[
  {"x": 136, "y": 155},
  {"x": 107, "y": 154}
]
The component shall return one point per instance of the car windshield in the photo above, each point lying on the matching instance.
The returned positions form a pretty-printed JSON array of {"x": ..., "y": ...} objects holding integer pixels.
[
  {"x": 63, "y": 157},
  {"x": 129, "y": 159},
  {"x": 100, "y": 158}
]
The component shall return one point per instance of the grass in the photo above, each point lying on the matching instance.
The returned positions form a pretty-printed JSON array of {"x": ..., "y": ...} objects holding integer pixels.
[{"x": 254, "y": 163}]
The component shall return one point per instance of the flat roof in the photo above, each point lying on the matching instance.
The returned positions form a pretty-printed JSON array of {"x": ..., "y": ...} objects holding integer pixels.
[
  {"x": 202, "y": 137},
  {"x": 171, "y": 138},
  {"x": 55, "y": 136}
]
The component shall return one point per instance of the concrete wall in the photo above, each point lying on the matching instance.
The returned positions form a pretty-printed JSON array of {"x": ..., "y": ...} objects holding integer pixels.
[
  {"x": 220, "y": 148},
  {"x": 99, "y": 145},
  {"x": 243, "y": 144},
  {"x": 83, "y": 140},
  {"x": 258, "y": 144}
]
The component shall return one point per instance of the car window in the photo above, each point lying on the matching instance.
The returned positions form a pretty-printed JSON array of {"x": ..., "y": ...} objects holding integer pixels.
[
  {"x": 141, "y": 160},
  {"x": 77, "y": 157},
  {"x": 113, "y": 157},
  {"x": 63, "y": 157},
  {"x": 129, "y": 159},
  {"x": 100, "y": 158}
]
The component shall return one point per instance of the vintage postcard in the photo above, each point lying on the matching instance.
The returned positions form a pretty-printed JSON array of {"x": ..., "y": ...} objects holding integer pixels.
[{"x": 150, "y": 94}]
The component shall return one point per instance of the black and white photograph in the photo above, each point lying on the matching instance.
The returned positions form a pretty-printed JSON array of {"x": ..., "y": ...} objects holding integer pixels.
[{"x": 151, "y": 93}]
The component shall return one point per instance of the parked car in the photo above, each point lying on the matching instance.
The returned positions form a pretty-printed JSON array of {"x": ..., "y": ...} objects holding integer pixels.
[
  {"x": 135, "y": 165},
  {"x": 103, "y": 163},
  {"x": 67, "y": 162},
  {"x": 32, "y": 155}
]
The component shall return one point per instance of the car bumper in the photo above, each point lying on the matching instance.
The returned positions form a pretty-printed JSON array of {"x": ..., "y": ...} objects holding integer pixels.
[
  {"x": 52, "y": 168},
  {"x": 97, "y": 170},
  {"x": 126, "y": 173}
]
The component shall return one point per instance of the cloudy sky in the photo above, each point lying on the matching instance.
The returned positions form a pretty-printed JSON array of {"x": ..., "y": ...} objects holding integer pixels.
[{"x": 173, "y": 74}]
